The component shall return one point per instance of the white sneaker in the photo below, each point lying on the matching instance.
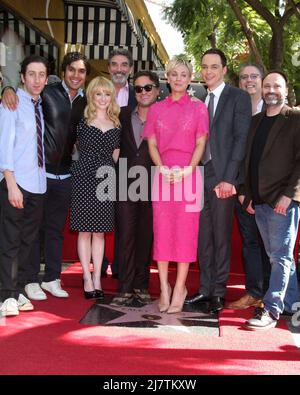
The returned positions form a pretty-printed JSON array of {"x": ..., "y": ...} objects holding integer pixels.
[
  {"x": 35, "y": 292},
  {"x": 9, "y": 308},
  {"x": 55, "y": 288},
  {"x": 24, "y": 304}
]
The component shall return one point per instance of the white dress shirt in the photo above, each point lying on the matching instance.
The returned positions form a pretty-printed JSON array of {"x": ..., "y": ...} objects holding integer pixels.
[{"x": 217, "y": 93}]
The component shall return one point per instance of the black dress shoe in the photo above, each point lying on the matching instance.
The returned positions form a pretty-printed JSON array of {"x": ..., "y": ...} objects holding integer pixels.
[
  {"x": 197, "y": 298},
  {"x": 217, "y": 304},
  {"x": 99, "y": 294}
]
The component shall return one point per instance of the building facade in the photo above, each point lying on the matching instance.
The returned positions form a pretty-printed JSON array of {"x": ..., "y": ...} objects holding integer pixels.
[{"x": 94, "y": 27}]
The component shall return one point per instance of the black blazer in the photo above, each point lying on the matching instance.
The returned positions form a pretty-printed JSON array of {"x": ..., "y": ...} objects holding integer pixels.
[
  {"x": 136, "y": 156},
  {"x": 132, "y": 103}
]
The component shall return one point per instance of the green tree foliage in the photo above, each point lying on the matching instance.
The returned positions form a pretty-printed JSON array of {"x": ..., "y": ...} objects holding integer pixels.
[{"x": 272, "y": 28}]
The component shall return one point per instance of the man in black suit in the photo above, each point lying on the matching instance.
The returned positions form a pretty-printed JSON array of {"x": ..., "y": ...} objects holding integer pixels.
[
  {"x": 230, "y": 117},
  {"x": 134, "y": 209},
  {"x": 120, "y": 65}
]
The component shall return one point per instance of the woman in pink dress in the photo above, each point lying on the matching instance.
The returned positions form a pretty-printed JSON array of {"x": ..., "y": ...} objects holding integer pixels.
[{"x": 176, "y": 129}]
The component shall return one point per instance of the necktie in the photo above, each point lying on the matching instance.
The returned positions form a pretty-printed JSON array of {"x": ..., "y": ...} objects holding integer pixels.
[
  {"x": 211, "y": 108},
  {"x": 207, "y": 153},
  {"x": 38, "y": 132}
]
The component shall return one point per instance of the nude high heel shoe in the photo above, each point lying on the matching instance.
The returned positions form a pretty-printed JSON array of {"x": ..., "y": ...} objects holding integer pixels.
[
  {"x": 164, "y": 300},
  {"x": 177, "y": 308}
]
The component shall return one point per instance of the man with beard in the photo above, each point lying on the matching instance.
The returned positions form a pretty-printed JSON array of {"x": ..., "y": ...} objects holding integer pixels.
[
  {"x": 272, "y": 192},
  {"x": 120, "y": 65}
]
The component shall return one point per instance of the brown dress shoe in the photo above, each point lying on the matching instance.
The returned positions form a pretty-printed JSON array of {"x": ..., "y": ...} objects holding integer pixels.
[{"x": 245, "y": 302}]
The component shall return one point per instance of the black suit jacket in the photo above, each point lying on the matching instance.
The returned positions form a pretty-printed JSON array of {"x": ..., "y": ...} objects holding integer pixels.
[
  {"x": 132, "y": 103},
  {"x": 228, "y": 134},
  {"x": 136, "y": 156}
]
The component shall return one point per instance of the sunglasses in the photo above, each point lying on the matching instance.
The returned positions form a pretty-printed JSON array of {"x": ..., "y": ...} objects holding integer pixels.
[
  {"x": 147, "y": 88},
  {"x": 246, "y": 76}
]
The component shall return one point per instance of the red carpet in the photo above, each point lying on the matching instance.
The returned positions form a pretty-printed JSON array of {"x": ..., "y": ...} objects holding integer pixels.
[{"x": 50, "y": 340}]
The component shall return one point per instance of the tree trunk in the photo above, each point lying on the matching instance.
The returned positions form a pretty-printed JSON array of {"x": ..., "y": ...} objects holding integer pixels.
[
  {"x": 276, "y": 48},
  {"x": 247, "y": 31},
  {"x": 212, "y": 39}
]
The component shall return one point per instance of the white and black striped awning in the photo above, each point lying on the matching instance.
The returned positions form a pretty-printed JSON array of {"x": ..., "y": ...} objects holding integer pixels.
[
  {"x": 104, "y": 25},
  {"x": 108, "y": 23},
  {"x": 32, "y": 41}
]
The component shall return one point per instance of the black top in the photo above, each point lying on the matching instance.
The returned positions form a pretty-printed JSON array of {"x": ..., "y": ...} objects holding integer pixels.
[
  {"x": 61, "y": 118},
  {"x": 258, "y": 146}
]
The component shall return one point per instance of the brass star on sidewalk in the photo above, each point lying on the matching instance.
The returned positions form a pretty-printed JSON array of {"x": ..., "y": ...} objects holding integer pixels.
[{"x": 148, "y": 316}]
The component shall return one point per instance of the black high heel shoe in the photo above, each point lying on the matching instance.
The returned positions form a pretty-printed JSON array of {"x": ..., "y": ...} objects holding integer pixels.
[
  {"x": 99, "y": 294},
  {"x": 88, "y": 294}
]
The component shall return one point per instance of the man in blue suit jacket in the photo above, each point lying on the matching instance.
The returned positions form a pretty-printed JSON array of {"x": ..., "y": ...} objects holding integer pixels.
[{"x": 230, "y": 117}]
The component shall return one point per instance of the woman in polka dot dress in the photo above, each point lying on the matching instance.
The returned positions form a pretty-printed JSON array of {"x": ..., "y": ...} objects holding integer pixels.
[{"x": 93, "y": 180}]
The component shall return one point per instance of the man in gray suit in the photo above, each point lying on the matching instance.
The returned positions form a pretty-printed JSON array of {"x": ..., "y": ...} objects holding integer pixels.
[{"x": 230, "y": 117}]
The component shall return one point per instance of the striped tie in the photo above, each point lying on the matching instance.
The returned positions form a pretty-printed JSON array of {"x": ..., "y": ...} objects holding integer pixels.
[{"x": 39, "y": 132}]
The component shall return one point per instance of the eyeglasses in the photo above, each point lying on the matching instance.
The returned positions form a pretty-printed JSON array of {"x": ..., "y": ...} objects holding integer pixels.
[
  {"x": 147, "y": 88},
  {"x": 251, "y": 76}
]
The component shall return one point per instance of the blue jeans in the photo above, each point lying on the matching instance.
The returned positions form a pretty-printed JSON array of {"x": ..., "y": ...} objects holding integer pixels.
[
  {"x": 256, "y": 262},
  {"x": 279, "y": 234}
]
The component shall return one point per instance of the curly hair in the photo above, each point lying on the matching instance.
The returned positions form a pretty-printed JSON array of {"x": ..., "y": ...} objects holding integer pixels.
[
  {"x": 71, "y": 57},
  {"x": 113, "y": 110}
]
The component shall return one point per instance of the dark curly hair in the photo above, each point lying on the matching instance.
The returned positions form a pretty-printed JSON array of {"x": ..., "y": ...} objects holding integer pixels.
[
  {"x": 34, "y": 59},
  {"x": 71, "y": 57}
]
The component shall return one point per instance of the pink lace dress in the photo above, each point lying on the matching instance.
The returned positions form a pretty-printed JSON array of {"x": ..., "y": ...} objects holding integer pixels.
[{"x": 176, "y": 125}]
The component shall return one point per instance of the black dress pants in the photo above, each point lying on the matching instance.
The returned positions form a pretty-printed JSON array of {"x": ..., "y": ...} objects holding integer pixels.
[
  {"x": 135, "y": 241},
  {"x": 214, "y": 246},
  {"x": 256, "y": 262},
  {"x": 18, "y": 229},
  {"x": 57, "y": 203}
]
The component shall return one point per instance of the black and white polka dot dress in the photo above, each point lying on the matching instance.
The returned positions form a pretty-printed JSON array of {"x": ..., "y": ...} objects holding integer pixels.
[{"x": 93, "y": 180}]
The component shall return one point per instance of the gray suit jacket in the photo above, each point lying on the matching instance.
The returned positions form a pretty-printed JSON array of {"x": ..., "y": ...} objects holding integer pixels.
[{"x": 228, "y": 134}]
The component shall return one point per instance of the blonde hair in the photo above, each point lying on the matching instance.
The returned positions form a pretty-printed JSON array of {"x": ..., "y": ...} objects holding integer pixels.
[
  {"x": 175, "y": 62},
  {"x": 113, "y": 110}
]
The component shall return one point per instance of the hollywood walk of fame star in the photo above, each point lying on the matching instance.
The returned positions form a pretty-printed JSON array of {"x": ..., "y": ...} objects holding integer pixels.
[{"x": 148, "y": 316}]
